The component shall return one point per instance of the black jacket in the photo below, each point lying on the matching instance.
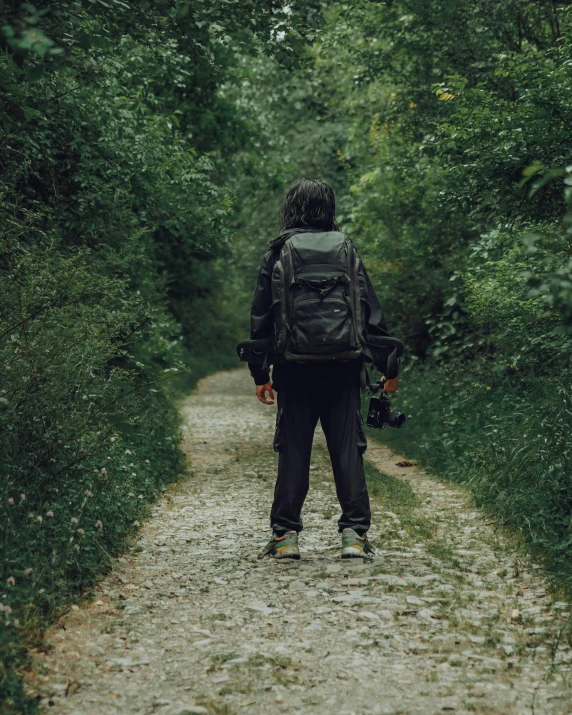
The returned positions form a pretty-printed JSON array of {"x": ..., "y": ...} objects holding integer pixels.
[{"x": 262, "y": 319}]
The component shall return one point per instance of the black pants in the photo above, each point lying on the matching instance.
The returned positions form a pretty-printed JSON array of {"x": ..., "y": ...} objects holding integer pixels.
[{"x": 337, "y": 406}]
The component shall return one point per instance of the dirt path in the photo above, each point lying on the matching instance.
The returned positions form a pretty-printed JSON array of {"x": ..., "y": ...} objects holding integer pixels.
[{"x": 445, "y": 618}]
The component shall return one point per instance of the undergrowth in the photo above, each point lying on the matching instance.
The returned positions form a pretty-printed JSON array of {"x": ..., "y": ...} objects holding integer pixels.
[
  {"x": 397, "y": 496},
  {"x": 510, "y": 443}
]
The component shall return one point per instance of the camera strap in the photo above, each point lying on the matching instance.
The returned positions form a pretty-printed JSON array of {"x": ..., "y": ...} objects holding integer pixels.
[{"x": 365, "y": 381}]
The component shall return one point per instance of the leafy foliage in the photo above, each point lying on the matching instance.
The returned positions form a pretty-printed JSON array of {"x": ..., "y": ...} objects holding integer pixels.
[{"x": 113, "y": 135}]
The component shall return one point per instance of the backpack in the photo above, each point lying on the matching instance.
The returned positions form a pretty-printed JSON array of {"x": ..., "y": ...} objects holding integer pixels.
[{"x": 318, "y": 313}]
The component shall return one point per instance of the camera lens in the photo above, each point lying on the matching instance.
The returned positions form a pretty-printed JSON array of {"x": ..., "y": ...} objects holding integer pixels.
[{"x": 395, "y": 419}]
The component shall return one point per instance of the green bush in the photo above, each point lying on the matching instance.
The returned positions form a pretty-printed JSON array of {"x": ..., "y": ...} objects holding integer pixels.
[
  {"x": 88, "y": 433},
  {"x": 509, "y": 441}
]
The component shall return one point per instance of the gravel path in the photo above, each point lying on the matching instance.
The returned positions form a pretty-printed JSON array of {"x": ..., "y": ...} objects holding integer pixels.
[{"x": 446, "y": 617}]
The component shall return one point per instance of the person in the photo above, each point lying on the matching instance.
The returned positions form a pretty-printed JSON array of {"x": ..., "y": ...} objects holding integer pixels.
[{"x": 310, "y": 390}]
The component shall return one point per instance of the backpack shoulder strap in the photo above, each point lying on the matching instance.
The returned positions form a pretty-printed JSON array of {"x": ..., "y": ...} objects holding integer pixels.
[
  {"x": 353, "y": 270},
  {"x": 282, "y": 277}
]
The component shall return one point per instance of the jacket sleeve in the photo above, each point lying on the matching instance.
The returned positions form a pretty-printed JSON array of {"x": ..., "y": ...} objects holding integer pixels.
[
  {"x": 375, "y": 320},
  {"x": 261, "y": 319},
  {"x": 376, "y": 325}
]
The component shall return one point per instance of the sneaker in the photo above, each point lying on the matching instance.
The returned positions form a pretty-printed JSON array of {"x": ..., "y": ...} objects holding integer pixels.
[
  {"x": 282, "y": 547},
  {"x": 354, "y": 546}
]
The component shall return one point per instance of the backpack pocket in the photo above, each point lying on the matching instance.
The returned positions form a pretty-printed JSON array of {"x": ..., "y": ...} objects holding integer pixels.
[{"x": 322, "y": 326}]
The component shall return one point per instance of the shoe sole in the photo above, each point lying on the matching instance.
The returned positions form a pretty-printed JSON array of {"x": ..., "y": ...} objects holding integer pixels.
[
  {"x": 295, "y": 557},
  {"x": 288, "y": 553},
  {"x": 351, "y": 552}
]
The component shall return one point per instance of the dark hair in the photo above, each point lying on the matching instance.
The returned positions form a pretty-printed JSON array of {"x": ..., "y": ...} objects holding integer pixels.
[{"x": 310, "y": 203}]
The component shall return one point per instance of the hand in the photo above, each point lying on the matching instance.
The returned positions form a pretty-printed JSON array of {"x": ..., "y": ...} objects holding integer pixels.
[
  {"x": 261, "y": 391},
  {"x": 390, "y": 385}
]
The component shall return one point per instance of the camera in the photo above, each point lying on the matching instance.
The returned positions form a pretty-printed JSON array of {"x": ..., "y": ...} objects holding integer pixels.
[{"x": 380, "y": 414}]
